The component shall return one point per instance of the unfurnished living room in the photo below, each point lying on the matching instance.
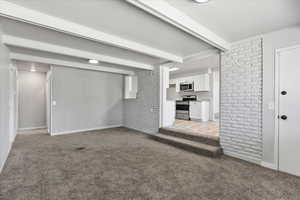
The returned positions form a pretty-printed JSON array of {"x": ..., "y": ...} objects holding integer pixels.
[{"x": 149, "y": 99}]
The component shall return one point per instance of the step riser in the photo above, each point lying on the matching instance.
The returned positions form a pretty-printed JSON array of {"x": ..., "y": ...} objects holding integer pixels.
[
  {"x": 189, "y": 148},
  {"x": 190, "y": 137}
]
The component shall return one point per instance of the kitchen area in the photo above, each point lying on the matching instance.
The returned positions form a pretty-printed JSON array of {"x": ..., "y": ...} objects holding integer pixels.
[{"x": 193, "y": 98}]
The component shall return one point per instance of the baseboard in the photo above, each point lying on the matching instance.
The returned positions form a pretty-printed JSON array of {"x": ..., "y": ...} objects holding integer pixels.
[
  {"x": 85, "y": 130},
  {"x": 269, "y": 165},
  {"x": 32, "y": 128}
]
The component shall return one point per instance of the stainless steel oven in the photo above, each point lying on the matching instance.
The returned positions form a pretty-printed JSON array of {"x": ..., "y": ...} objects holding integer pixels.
[
  {"x": 186, "y": 86},
  {"x": 183, "y": 107}
]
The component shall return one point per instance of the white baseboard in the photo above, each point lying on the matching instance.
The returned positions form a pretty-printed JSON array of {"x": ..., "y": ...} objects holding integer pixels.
[
  {"x": 269, "y": 165},
  {"x": 32, "y": 128},
  {"x": 85, "y": 130}
]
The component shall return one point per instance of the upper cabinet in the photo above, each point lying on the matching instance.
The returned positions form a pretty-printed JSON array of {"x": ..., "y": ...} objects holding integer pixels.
[
  {"x": 201, "y": 82},
  {"x": 130, "y": 87}
]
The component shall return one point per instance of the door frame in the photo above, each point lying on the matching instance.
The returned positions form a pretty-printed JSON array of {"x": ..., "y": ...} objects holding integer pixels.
[{"x": 276, "y": 92}]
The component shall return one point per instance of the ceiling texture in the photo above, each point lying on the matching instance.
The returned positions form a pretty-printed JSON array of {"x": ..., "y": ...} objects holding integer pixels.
[
  {"x": 130, "y": 34},
  {"x": 239, "y": 19}
]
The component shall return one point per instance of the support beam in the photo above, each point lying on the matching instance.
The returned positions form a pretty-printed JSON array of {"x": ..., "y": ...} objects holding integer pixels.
[
  {"x": 168, "y": 13},
  {"x": 51, "y": 48},
  {"x": 51, "y": 61},
  {"x": 20, "y": 13},
  {"x": 201, "y": 55}
]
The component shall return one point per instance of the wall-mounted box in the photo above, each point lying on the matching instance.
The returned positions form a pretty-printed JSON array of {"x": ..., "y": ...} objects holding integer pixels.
[{"x": 130, "y": 87}]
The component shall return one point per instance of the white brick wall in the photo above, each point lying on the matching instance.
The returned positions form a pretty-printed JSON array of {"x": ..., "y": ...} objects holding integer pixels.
[
  {"x": 241, "y": 100},
  {"x": 143, "y": 113}
]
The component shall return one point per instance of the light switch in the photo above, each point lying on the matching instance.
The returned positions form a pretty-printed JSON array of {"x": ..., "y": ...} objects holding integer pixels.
[{"x": 54, "y": 103}]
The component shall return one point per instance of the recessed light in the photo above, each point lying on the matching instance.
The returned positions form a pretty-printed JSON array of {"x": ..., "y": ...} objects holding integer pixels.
[
  {"x": 32, "y": 68},
  {"x": 173, "y": 69},
  {"x": 201, "y": 1},
  {"x": 93, "y": 61}
]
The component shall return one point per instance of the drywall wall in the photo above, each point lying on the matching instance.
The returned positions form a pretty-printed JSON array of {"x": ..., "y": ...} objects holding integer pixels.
[
  {"x": 271, "y": 42},
  {"x": 32, "y": 100},
  {"x": 241, "y": 100},
  {"x": 142, "y": 113},
  {"x": 5, "y": 142},
  {"x": 85, "y": 100}
]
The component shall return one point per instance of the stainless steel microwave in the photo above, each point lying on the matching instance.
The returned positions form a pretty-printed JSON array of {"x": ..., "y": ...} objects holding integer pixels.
[{"x": 186, "y": 86}]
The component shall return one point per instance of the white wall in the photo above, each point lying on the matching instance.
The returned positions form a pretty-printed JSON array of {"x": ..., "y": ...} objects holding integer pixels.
[
  {"x": 85, "y": 100},
  {"x": 32, "y": 100},
  {"x": 5, "y": 142},
  {"x": 271, "y": 41}
]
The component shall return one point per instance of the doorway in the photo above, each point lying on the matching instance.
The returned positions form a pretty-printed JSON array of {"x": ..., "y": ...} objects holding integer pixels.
[
  {"x": 190, "y": 95},
  {"x": 33, "y": 94},
  {"x": 288, "y": 109}
]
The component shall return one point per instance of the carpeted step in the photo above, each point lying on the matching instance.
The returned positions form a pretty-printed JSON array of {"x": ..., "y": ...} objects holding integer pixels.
[
  {"x": 210, "y": 140},
  {"x": 188, "y": 145}
]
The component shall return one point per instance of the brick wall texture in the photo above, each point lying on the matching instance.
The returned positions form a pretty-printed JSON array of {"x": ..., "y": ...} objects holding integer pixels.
[
  {"x": 142, "y": 113},
  {"x": 241, "y": 100}
]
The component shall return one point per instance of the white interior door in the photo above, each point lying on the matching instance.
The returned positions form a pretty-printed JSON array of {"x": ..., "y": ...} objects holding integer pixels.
[{"x": 289, "y": 110}]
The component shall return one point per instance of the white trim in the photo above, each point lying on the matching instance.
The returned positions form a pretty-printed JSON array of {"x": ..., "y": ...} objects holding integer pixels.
[
  {"x": 43, "y": 46},
  {"x": 25, "y": 57},
  {"x": 269, "y": 165},
  {"x": 175, "y": 17},
  {"x": 86, "y": 130},
  {"x": 32, "y": 128},
  {"x": 30, "y": 16},
  {"x": 276, "y": 88}
]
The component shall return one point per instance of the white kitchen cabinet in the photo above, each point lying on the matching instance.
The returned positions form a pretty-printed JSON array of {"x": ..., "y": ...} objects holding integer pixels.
[
  {"x": 201, "y": 83},
  {"x": 199, "y": 110},
  {"x": 130, "y": 87},
  {"x": 195, "y": 110}
]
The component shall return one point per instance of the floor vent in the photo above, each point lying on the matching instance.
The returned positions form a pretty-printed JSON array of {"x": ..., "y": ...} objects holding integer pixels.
[{"x": 80, "y": 148}]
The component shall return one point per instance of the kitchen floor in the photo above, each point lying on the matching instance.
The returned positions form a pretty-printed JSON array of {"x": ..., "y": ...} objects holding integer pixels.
[{"x": 210, "y": 128}]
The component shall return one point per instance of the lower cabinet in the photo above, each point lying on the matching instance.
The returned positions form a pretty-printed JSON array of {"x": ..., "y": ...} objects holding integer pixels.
[{"x": 199, "y": 110}]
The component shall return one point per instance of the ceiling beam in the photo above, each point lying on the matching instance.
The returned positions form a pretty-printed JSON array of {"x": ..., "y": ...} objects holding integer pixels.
[
  {"x": 201, "y": 55},
  {"x": 168, "y": 13},
  {"x": 34, "y": 17},
  {"x": 78, "y": 65},
  {"x": 42, "y": 46}
]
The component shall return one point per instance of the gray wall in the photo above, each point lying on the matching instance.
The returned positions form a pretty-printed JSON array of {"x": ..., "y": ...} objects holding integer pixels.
[
  {"x": 4, "y": 102},
  {"x": 279, "y": 39},
  {"x": 241, "y": 100},
  {"x": 143, "y": 113},
  {"x": 85, "y": 99},
  {"x": 32, "y": 99}
]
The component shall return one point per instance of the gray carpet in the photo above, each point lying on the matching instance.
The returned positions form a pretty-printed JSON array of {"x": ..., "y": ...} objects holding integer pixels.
[{"x": 124, "y": 164}]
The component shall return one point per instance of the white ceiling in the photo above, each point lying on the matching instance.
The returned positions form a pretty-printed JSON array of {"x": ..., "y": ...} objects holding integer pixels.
[
  {"x": 122, "y": 19},
  {"x": 239, "y": 19},
  {"x": 31, "y": 32},
  {"x": 197, "y": 65}
]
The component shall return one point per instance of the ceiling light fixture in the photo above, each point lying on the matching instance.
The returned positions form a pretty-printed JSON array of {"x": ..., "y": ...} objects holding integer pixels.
[
  {"x": 201, "y": 1},
  {"x": 173, "y": 69},
  {"x": 32, "y": 68},
  {"x": 93, "y": 61}
]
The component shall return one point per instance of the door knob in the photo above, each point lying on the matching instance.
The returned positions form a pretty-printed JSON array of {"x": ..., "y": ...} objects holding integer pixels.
[
  {"x": 284, "y": 117},
  {"x": 283, "y": 92}
]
